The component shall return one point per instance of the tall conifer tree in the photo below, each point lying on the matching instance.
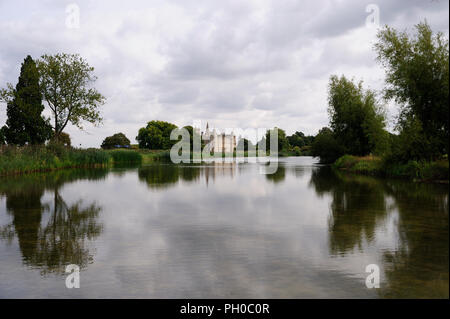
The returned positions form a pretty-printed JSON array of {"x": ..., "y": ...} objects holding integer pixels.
[{"x": 25, "y": 124}]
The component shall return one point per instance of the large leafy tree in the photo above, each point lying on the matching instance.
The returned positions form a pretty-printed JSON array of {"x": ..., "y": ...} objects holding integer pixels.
[
  {"x": 417, "y": 78},
  {"x": 66, "y": 81},
  {"x": 156, "y": 135},
  {"x": 356, "y": 119},
  {"x": 25, "y": 124},
  {"x": 116, "y": 139}
]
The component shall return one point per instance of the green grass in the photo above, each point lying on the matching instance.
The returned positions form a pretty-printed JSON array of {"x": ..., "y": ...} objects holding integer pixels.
[{"x": 27, "y": 159}]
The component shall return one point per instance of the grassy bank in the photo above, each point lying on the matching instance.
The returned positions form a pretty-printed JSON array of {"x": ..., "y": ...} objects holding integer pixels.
[
  {"x": 376, "y": 166},
  {"x": 20, "y": 160}
]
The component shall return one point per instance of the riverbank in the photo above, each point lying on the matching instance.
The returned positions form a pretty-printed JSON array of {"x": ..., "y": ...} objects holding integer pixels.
[
  {"x": 436, "y": 171},
  {"x": 28, "y": 159}
]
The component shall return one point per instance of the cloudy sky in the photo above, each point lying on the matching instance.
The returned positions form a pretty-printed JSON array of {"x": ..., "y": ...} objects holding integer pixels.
[{"x": 236, "y": 64}]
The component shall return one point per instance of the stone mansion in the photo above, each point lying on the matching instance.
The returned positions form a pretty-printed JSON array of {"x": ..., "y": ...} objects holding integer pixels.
[{"x": 219, "y": 142}]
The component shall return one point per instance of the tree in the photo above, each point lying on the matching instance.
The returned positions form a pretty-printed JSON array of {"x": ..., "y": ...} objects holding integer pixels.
[
  {"x": 283, "y": 143},
  {"x": 244, "y": 144},
  {"x": 156, "y": 135},
  {"x": 297, "y": 139},
  {"x": 25, "y": 124},
  {"x": 417, "y": 74},
  {"x": 63, "y": 139},
  {"x": 357, "y": 121},
  {"x": 193, "y": 133},
  {"x": 326, "y": 146},
  {"x": 66, "y": 82},
  {"x": 116, "y": 139}
]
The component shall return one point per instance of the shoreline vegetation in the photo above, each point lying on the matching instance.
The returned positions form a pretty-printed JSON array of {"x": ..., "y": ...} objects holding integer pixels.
[
  {"x": 418, "y": 171},
  {"x": 17, "y": 160},
  {"x": 39, "y": 158},
  {"x": 31, "y": 159}
]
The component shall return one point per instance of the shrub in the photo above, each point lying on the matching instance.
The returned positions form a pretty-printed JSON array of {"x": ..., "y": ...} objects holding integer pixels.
[
  {"x": 345, "y": 162},
  {"x": 297, "y": 151},
  {"x": 114, "y": 140},
  {"x": 326, "y": 146}
]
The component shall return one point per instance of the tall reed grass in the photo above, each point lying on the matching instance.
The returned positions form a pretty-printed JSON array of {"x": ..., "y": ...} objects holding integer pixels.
[
  {"x": 16, "y": 160},
  {"x": 125, "y": 156}
]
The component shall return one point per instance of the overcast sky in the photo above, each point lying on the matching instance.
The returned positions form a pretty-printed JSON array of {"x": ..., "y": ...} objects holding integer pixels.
[{"x": 245, "y": 64}]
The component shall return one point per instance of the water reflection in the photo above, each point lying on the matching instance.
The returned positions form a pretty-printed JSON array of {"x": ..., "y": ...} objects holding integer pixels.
[
  {"x": 219, "y": 230},
  {"x": 278, "y": 176},
  {"x": 358, "y": 206},
  {"x": 163, "y": 176},
  {"x": 419, "y": 267},
  {"x": 418, "y": 264},
  {"x": 51, "y": 234}
]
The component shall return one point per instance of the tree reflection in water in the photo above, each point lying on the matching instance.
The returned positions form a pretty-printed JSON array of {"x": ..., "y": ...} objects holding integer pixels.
[
  {"x": 361, "y": 204},
  {"x": 50, "y": 234},
  {"x": 358, "y": 206}
]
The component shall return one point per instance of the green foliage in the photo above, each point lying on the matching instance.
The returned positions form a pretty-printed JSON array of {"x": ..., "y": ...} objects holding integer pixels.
[
  {"x": 417, "y": 76},
  {"x": 299, "y": 139},
  {"x": 357, "y": 121},
  {"x": 283, "y": 144},
  {"x": 297, "y": 151},
  {"x": 116, "y": 139},
  {"x": 53, "y": 156},
  {"x": 63, "y": 139},
  {"x": 125, "y": 156},
  {"x": 156, "y": 135},
  {"x": 418, "y": 170},
  {"x": 32, "y": 158},
  {"x": 66, "y": 82},
  {"x": 306, "y": 150},
  {"x": 345, "y": 162},
  {"x": 326, "y": 146},
  {"x": 25, "y": 124},
  {"x": 410, "y": 144}
]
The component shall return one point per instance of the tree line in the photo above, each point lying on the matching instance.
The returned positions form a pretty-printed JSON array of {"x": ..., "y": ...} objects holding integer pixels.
[{"x": 156, "y": 136}]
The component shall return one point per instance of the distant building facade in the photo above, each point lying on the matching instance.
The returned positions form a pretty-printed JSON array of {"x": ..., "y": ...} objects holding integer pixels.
[{"x": 218, "y": 142}]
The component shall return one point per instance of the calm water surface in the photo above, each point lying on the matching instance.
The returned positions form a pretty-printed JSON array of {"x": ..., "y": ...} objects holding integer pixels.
[{"x": 221, "y": 231}]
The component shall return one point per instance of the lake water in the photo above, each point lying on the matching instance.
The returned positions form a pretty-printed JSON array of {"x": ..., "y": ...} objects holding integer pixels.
[{"x": 221, "y": 231}]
